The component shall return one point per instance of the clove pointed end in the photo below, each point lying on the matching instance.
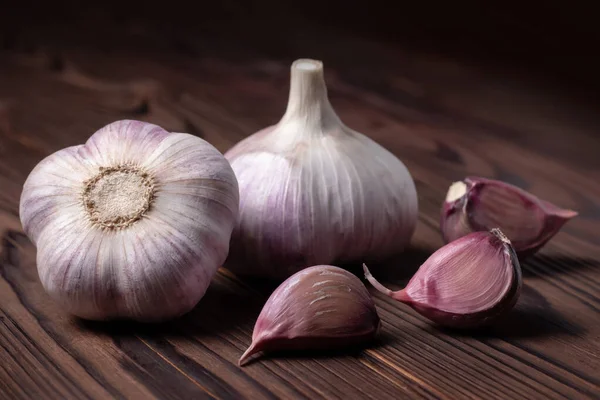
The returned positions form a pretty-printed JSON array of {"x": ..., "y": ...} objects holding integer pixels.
[
  {"x": 567, "y": 214},
  {"x": 250, "y": 351},
  {"x": 378, "y": 286},
  {"x": 366, "y": 271}
]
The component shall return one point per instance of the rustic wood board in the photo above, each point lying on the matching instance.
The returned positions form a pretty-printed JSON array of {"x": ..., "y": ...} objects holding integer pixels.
[{"x": 444, "y": 118}]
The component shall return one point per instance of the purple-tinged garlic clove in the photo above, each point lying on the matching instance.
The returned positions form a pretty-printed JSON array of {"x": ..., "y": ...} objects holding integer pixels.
[
  {"x": 468, "y": 283},
  {"x": 320, "y": 307},
  {"x": 480, "y": 204}
]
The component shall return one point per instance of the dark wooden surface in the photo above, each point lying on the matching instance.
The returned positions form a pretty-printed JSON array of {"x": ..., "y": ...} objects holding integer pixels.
[{"x": 445, "y": 114}]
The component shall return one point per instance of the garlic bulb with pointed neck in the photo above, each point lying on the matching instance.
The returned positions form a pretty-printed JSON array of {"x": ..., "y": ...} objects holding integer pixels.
[
  {"x": 132, "y": 224},
  {"x": 313, "y": 191}
]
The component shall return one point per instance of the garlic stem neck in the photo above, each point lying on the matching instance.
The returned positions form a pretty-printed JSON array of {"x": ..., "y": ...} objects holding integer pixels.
[{"x": 308, "y": 103}]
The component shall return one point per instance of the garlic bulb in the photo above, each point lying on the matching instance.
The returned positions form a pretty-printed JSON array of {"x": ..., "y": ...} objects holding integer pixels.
[
  {"x": 313, "y": 191},
  {"x": 133, "y": 224}
]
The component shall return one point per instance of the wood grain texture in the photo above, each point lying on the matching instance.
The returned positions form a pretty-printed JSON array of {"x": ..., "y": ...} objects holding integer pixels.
[{"x": 443, "y": 117}]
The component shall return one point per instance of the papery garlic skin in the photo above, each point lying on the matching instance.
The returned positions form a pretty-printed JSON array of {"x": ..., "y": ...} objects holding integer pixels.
[
  {"x": 320, "y": 307},
  {"x": 313, "y": 191},
  {"x": 133, "y": 224},
  {"x": 480, "y": 204},
  {"x": 468, "y": 283}
]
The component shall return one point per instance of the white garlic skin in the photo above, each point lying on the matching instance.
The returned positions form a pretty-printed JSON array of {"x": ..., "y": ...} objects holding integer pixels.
[
  {"x": 155, "y": 267},
  {"x": 313, "y": 191}
]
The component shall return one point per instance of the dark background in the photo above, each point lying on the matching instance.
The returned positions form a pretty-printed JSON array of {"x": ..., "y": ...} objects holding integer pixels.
[{"x": 552, "y": 40}]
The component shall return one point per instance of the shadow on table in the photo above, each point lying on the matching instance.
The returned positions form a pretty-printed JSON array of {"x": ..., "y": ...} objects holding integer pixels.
[
  {"x": 226, "y": 305},
  {"x": 382, "y": 339},
  {"x": 397, "y": 269},
  {"x": 235, "y": 303},
  {"x": 532, "y": 317},
  {"x": 232, "y": 302},
  {"x": 542, "y": 265}
]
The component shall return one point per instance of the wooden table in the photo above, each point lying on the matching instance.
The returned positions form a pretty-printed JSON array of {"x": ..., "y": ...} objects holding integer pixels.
[{"x": 445, "y": 116}]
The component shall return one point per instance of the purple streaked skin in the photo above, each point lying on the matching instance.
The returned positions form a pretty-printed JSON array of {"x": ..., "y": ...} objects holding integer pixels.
[
  {"x": 528, "y": 221},
  {"x": 470, "y": 282},
  {"x": 320, "y": 307},
  {"x": 53, "y": 177},
  {"x": 157, "y": 267},
  {"x": 313, "y": 191},
  {"x": 297, "y": 211}
]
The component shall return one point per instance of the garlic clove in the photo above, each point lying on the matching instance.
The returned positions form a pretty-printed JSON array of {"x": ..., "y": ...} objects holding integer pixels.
[
  {"x": 479, "y": 204},
  {"x": 50, "y": 187},
  {"x": 121, "y": 142},
  {"x": 313, "y": 191},
  {"x": 468, "y": 283},
  {"x": 133, "y": 224},
  {"x": 319, "y": 307}
]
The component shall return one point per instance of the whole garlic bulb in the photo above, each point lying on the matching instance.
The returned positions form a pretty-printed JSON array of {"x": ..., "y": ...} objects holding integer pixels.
[
  {"x": 313, "y": 191},
  {"x": 133, "y": 224}
]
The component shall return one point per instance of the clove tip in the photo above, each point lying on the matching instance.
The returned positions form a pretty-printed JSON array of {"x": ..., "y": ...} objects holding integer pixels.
[
  {"x": 378, "y": 286},
  {"x": 366, "y": 271},
  {"x": 567, "y": 214},
  {"x": 247, "y": 354}
]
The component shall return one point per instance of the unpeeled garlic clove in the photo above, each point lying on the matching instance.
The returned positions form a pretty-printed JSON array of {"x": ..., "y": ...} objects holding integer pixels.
[
  {"x": 319, "y": 307},
  {"x": 133, "y": 224},
  {"x": 313, "y": 191},
  {"x": 480, "y": 204},
  {"x": 468, "y": 283}
]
